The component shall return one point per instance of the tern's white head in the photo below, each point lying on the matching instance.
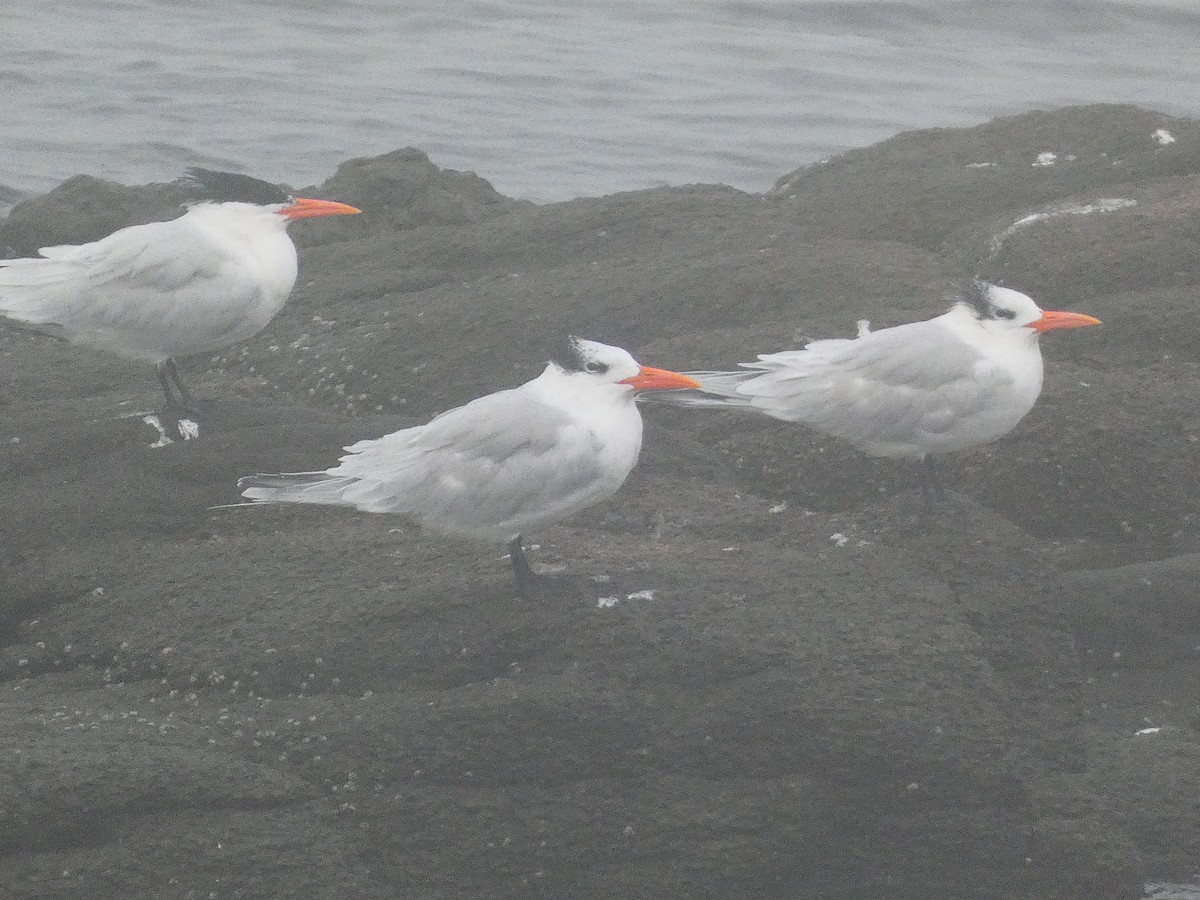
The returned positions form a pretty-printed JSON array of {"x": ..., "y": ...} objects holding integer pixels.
[
  {"x": 1000, "y": 310},
  {"x": 594, "y": 364},
  {"x": 231, "y": 189}
]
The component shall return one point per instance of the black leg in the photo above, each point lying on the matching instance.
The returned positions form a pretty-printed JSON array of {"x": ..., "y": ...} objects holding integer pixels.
[
  {"x": 185, "y": 396},
  {"x": 168, "y": 376},
  {"x": 161, "y": 371},
  {"x": 931, "y": 486},
  {"x": 527, "y": 579}
]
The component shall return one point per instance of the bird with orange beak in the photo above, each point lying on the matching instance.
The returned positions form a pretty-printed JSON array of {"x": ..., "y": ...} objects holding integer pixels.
[
  {"x": 503, "y": 463},
  {"x": 962, "y": 379},
  {"x": 215, "y": 276}
]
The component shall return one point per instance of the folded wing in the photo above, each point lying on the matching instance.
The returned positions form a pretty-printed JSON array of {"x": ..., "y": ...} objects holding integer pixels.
[
  {"x": 144, "y": 292},
  {"x": 498, "y": 465},
  {"x": 891, "y": 392}
]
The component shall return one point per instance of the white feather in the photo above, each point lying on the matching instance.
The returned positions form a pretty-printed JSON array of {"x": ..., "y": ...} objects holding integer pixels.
[
  {"x": 212, "y": 277},
  {"x": 494, "y": 468},
  {"x": 941, "y": 385}
]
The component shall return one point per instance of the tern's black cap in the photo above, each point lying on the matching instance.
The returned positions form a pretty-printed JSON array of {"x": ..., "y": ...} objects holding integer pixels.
[
  {"x": 567, "y": 353},
  {"x": 230, "y": 187},
  {"x": 977, "y": 294},
  {"x": 974, "y": 293}
]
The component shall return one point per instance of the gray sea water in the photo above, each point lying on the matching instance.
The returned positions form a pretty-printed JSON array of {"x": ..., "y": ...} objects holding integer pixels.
[{"x": 551, "y": 100}]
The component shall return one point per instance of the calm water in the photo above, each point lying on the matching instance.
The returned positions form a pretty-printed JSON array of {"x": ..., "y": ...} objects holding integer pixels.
[{"x": 550, "y": 100}]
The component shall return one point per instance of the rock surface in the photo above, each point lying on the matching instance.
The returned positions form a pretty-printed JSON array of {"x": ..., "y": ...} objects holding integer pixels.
[{"x": 829, "y": 693}]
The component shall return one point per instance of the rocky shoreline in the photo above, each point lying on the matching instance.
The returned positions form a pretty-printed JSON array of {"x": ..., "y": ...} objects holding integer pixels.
[{"x": 828, "y": 693}]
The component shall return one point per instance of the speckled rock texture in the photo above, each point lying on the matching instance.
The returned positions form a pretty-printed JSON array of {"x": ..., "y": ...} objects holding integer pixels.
[{"x": 830, "y": 690}]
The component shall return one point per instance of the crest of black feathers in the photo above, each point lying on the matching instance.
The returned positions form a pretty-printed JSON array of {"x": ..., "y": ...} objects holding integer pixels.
[
  {"x": 230, "y": 187},
  {"x": 566, "y": 354},
  {"x": 975, "y": 294}
]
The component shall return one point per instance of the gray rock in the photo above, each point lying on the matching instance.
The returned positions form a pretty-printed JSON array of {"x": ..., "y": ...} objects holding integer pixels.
[{"x": 830, "y": 693}]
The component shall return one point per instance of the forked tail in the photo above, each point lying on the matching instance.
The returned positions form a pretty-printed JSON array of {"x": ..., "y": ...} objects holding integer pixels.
[{"x": 295, "y": 487}]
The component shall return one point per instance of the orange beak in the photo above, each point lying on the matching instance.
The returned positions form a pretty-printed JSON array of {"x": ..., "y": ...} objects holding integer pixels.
[
  {"x": 1051, "y": 320},
  {"x": 303, "y": 208},
  {"x": 648, "y": 379}
]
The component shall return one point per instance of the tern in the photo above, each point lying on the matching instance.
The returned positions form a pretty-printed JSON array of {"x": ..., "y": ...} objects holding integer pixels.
[
  {"x": 212, "y": 277},
  {"x": 914, "y": 391},
  {"x": 502, "y": 464}
]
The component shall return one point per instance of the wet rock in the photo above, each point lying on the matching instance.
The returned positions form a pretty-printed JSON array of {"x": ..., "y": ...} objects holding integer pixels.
[
  {"x": 401, "y": 190},
  {"x": 771, "y": 671},
  {"x": 397, "y": 190},
  {"x": 84, "y": 209},
  {"x": 1160, "y": 594},
  {"x": 922, "y": 186}
]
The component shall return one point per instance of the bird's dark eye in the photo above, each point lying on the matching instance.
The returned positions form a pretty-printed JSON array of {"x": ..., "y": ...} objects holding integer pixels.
[
  {"x": 597, "y": 368},
  {"x": 998, "y": 313}
]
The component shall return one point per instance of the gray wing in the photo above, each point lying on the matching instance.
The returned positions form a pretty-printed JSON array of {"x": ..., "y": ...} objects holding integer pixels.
[
  {"x": 496, "y": 465},
  {"x": 884, "y": 388},
  {"x": 164, "y": 284}
]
